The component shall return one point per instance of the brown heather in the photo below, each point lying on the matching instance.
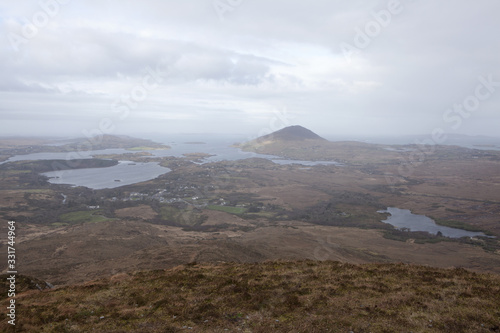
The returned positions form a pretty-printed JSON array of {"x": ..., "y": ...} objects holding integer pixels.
[{"x": 282, "y": 296}]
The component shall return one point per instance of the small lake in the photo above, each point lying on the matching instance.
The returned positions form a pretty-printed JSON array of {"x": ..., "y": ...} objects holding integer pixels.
[
  {"x": 124, "y": 173},
  {"x": 403, "y": 218}
]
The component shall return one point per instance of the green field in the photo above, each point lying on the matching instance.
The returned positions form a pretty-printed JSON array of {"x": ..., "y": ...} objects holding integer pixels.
[
  {"x": 83, "y": 217},
  {"x": 59, "y": 224},
  {"x": 228, "y": 209}
]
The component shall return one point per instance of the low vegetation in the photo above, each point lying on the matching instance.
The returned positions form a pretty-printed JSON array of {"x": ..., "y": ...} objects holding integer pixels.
[
  {"x": 459, "y": 225},
  {"x": 83, "y": 217},
  {"x": 283, "y": 296},
  {"x": 180, "y": 215},
  {"x": 227, "y": 209}
]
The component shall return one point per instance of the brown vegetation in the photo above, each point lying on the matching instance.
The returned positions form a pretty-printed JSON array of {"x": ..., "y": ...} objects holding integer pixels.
[{"x": 303, "y": 296}]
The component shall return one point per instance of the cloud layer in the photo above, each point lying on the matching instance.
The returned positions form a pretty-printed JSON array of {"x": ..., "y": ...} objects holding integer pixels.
[{"x": 340, "y": 68}]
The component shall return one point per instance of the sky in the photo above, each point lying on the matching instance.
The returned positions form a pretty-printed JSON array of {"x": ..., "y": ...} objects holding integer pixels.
[{"x": 249, "y": 67}]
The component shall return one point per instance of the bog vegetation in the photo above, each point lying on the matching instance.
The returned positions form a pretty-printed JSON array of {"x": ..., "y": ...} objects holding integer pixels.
[{"x": 275, "y": 296}]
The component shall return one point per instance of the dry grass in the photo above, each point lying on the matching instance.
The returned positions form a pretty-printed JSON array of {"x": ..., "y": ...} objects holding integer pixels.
[
  {"x": 291, "y": 296},
  {"x": 142, "y": 212}
]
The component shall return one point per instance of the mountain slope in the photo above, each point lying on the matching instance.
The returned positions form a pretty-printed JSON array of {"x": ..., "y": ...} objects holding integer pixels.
[
  {"x": 292, "y": 133},
  {"x": 297, "y": 142},
  {"x": 289, "y": 142},
  {"x": 283, "y": 296}
]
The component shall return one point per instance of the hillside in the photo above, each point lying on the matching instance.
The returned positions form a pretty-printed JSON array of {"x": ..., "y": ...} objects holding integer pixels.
[
  {"x": 117, "y": 141},
  {"x": 292, "y": 133},
  {"x": 288, "y": 136},
  {"x": 297, "y": 142},
  {"x": 277, "y": 296}
]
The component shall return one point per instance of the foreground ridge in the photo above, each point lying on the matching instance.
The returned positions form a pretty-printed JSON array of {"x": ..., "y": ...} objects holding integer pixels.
[{"x": 282, "y": 296}]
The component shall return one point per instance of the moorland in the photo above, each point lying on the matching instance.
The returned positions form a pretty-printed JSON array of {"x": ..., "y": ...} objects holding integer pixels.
[{"x": 250, "y": 211}]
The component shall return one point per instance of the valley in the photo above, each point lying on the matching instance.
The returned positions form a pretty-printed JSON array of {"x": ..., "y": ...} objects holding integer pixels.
[{"x": 252, "y": 210}]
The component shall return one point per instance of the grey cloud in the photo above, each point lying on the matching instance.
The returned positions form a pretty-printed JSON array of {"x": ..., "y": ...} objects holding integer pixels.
[{"x": 263, "y": 54}]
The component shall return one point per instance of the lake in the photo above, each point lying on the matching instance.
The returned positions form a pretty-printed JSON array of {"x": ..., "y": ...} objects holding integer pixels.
[
  {"x": 124, "y": 173},
  {"x": 403, "y": 218},
  {"x": 221, "y": 151}
]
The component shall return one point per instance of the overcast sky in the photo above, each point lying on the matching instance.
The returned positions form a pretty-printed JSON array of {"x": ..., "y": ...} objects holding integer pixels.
[{"x": 344, "y": 68}]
